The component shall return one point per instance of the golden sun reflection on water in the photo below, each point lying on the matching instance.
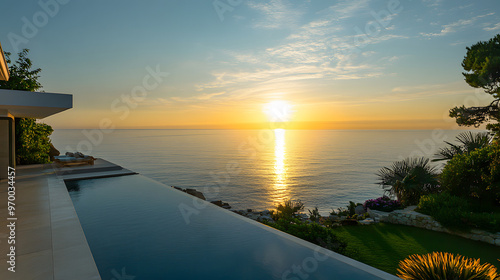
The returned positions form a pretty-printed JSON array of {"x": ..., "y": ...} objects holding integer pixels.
[{"x": 280, "y": 191}]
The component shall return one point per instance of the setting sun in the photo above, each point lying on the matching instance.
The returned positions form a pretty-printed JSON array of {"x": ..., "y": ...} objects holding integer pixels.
[{"x": 278, "y": 111}]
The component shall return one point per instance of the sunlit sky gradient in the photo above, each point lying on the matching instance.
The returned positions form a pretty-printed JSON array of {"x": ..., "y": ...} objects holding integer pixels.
[{"x": 341, "y": 64}]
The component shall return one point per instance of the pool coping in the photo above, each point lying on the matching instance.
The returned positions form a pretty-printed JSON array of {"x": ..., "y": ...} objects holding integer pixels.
[
  {"x": 50, "y": 242},
  {"x": 68, "y": 237},
  {"x": 71, "y": 253}
]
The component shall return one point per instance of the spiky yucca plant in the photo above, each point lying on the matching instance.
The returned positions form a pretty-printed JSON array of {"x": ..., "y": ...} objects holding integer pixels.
[{"x": 445, "y": 266}]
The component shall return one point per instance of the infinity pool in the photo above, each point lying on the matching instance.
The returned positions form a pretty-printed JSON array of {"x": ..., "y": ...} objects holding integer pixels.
[{"x": 137, "y": 227}]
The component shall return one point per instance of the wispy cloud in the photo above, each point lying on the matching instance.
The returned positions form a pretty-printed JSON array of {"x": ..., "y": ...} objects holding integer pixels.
[
  {"x": 458, "y": 43},
  {"x": 346, "y": 9},
  {"x": 177, "y": 99},
  {"x": 456, "y": 26},
  {"x": 325, "y": 49},
  {"x": 407, "y": 93},
  {"x": 207, "y": 96},
  {"x": 275, "y": 14},
  {"x": 493, "y": 28},
  {"x": 432, "y": 3},
  {"x": 428, "y": 90}
]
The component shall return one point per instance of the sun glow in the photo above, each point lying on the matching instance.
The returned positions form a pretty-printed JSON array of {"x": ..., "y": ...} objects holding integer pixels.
[{"x": 278, "y": 111}]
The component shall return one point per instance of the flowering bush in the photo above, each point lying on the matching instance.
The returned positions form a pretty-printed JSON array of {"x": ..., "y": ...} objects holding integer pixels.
[{"x": 383, "y": 203}]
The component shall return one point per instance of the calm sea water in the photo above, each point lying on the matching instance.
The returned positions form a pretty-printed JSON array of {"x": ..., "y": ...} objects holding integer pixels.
[{"x": 259, "y": 168}]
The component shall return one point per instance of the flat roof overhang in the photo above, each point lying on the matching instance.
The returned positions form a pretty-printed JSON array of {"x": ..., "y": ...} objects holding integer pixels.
[
  {"x": 4, "y": 68},
  {"x": 39, "y": 105}
]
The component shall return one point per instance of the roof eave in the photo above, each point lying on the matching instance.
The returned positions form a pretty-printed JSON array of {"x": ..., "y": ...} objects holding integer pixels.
[{"x": 4, "y": 68}]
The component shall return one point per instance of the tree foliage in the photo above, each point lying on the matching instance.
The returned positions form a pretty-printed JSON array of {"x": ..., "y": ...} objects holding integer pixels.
[
  {"x": 22, "y": 77},
  {"x": 482, "y": 64},
  {"x": 32, "y": 138},
  {"x": 32, "y": 141},
  {"x": 482, "y": 70}
]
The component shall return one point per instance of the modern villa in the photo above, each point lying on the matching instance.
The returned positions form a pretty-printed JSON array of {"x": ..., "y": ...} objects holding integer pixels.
[
  {"x": 23, "y": 104},
  {"x": 103, "y": 221}
]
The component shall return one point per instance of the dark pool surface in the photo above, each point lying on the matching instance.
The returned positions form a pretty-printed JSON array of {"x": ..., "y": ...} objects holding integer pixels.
[{"x": 135, "y": 228}]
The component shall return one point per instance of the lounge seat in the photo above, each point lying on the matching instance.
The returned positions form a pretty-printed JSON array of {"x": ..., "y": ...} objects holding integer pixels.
[{"x": 74, "y": 159}]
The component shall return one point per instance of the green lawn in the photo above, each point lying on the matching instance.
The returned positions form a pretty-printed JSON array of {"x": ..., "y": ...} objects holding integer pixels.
[{"x": 384, "y": 245}]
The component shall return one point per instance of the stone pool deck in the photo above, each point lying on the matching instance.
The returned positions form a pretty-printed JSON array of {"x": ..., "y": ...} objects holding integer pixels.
[{"x": 49, "y": 240}]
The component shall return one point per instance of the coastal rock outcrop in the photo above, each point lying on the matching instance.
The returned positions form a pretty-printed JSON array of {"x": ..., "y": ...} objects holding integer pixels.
[
  {"x": 196, "y": 193},
  {"x": 200, "y": 195},
  {"x": 192, "y": 192},
  {"x": 267, "y": 215},
  {"x": 221, "y": 204}
]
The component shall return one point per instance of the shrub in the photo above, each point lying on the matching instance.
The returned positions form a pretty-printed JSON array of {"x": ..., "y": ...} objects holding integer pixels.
[
  {"x": 314, "y": 215},
  {"x": 349, "y": 222},
  {"x": 352, "y": 208},
  {"x": 286, "y": 221},
  {"x": 288, "y": 209},
  {"x": 444, "y": 266},
  {"x": 409, "y": 179},
  {"x": 485, "y": 221},
  {"x": 447, "y": 209},
  {"x": 455, "y": 213},
  {"x": 475, "y": 175},
  {"x": 32, "y": 141},
  {"x": 350, "y": 211},
  {"x": 434, "y": 202},
  {"x": 313, "y": 232},
  {"x": 340, "y": 212},
  {"x": 383, "y": 203}
]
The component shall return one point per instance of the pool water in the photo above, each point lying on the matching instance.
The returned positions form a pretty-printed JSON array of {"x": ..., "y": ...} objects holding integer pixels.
[{"x": 138, "y": 228}]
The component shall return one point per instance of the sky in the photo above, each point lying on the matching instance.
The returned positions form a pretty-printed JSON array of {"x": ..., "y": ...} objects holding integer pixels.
[{"x": 350, "y": 64}]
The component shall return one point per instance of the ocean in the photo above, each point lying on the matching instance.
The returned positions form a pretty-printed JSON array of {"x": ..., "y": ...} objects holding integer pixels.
[{"x": 258, "y": 169}]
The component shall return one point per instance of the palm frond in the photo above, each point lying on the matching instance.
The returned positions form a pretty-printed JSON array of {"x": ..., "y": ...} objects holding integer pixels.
[
  {"x": 468, "y": 142},
  {"x": 408, "y": 177}
]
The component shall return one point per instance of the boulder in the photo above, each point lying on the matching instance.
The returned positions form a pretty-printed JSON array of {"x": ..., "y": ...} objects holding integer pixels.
[
  {"x": 367, "y": 221},
  {"x": 217, "y": 202},
  {"x": 360, "y": 210},
  {"x": 253, "y": 216},
  {"x": 196, "y": 193},
  {"x": 266, "y": 218}
]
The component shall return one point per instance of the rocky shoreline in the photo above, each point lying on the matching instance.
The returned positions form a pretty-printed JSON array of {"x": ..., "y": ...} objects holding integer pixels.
[
  {"x": 405, "y": 216},
  {"x": 266, "y": 215}
]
